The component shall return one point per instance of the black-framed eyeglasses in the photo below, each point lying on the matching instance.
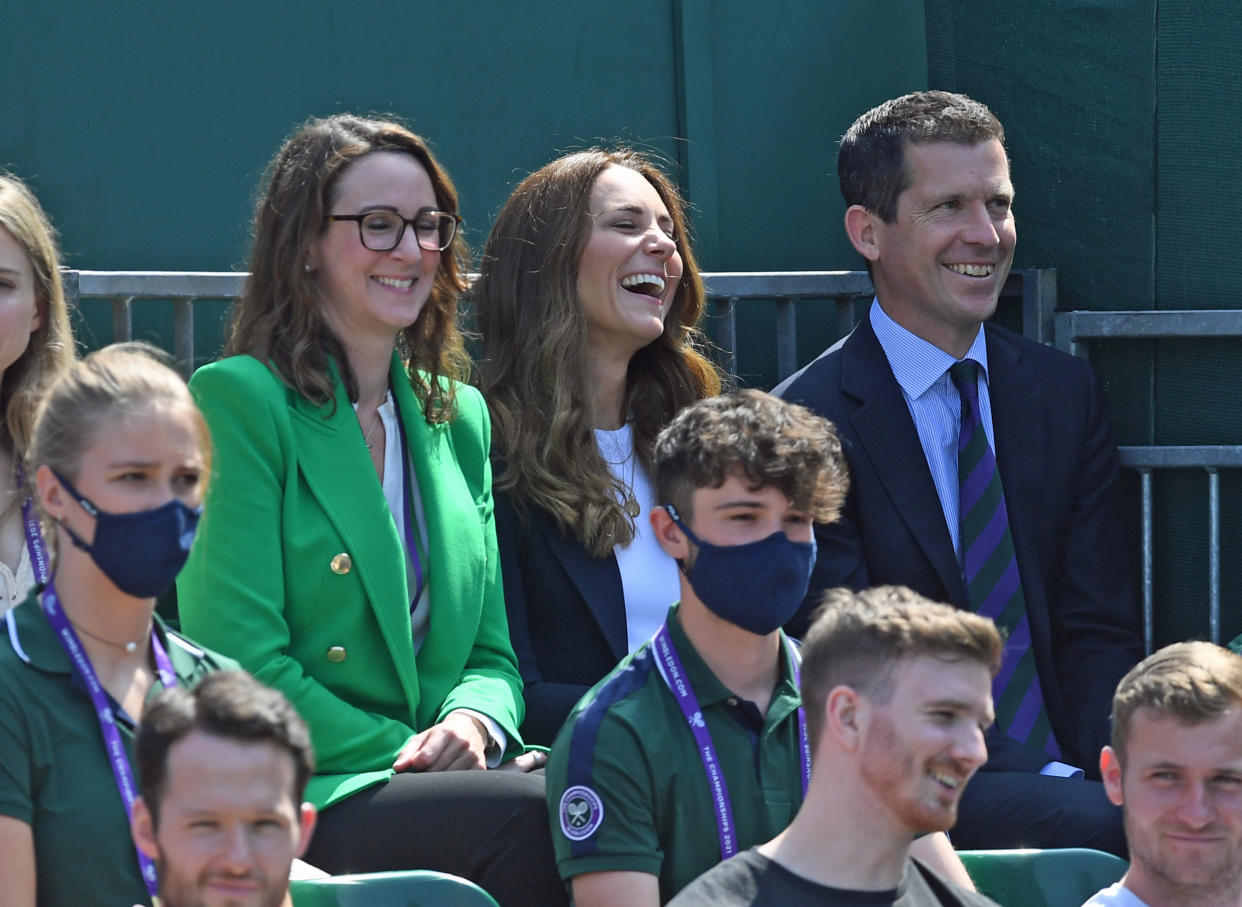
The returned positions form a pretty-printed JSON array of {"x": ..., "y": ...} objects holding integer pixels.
[{"x": 381, "y": 231}]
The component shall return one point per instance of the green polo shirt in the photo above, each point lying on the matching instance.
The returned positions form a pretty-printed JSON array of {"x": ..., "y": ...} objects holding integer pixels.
[
  {"x": 54, "y": 771},
  {"x": 626, "y": 785}
]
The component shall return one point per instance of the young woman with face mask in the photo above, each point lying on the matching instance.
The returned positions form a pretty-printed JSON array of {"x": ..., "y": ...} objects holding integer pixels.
[
  {"x": 35, "y": 346},
  {"x": 119, "y": 456},
  {"x": 588, "y": 301}
]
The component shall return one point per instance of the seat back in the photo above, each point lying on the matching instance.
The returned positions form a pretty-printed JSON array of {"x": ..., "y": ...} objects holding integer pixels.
[
  {"x": 1059, "y": 877},
  {"x": 413, "y": 888}
]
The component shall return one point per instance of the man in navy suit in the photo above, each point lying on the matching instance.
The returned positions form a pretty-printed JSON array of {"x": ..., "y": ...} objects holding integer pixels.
[{"x": 926, "y": 179}]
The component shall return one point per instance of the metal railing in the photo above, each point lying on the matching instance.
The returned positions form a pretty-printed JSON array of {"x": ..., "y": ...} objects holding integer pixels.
[
  {"x": 1034, "y": 290},
  {"x": 181, "y": 288},
  {"x": 1073, "y": 332}
]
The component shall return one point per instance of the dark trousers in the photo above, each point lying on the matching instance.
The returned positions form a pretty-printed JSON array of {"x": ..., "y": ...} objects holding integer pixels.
[
  {"x": 487, "y": 826},
  {"x": 1021, "y": 809}
]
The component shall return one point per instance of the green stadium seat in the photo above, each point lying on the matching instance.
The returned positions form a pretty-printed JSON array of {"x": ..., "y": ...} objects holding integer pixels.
[
  {"x": 415, "y": 888},
  {"x": 1062, "y": 877}
]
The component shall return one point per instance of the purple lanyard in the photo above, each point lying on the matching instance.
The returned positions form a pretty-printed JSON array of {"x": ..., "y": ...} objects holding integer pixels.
[
  {"x": 678, "y": 683},
  {"x": 411, "y": 527},
  {"x": 34, "y": 538},
  {"x": 107, "y": 721}
]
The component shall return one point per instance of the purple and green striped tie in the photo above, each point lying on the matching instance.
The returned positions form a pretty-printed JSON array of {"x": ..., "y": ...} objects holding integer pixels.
[{"x": 991, "y": 572}]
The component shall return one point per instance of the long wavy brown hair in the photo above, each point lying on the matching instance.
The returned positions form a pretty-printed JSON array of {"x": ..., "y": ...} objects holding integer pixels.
[
  {"x": 534, "y": 371},
  {"x": 50, "y": 351},
  {"x": 279, "y": 318}
]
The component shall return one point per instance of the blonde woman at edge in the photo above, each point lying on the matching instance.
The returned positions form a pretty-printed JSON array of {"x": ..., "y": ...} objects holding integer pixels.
[
  {"x": 119, "y": 456},
  {"x": 35, "y": 346}
]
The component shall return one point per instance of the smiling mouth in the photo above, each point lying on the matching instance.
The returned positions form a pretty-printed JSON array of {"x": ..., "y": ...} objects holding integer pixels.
[
  {"x": 395, "y": 283},
  {"x": 972, "y": 270},
  {"x": 646, "y": 284},
  {"x": 949, "y": 781}
]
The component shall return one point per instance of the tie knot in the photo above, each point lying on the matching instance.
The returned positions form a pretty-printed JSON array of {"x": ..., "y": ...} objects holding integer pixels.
[{"x": 965, "y": 377}]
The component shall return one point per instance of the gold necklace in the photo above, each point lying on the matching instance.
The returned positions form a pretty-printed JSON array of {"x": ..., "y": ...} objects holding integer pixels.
[
  {"x": 630, "y": 505},
  {"x": 366, "y": 435}
]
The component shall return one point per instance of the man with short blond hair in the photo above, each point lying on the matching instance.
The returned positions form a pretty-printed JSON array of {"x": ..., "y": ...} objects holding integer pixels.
[
  {"x": 897, "y": 692},
  {"x": 1175, "y": 769}
]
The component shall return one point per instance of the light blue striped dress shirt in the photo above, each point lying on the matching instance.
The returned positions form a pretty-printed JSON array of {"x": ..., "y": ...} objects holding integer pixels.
[{"x": 922, "y": 370}]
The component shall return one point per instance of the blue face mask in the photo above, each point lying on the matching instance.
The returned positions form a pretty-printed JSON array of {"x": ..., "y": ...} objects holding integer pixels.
[
  {"x": 757, "y": 586},
  {"x": 141, "y": 552}
]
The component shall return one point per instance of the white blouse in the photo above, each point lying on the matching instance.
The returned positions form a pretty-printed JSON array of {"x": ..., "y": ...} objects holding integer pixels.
[{"x": 648, "y": 575}]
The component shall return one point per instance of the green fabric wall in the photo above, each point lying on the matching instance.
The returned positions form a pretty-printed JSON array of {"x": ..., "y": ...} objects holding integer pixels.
[
  {"x": 145, "y": 126},
  {"x": 1122, "y": 122}
]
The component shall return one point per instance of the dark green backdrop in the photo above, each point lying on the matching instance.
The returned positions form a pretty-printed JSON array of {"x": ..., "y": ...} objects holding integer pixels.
[
  {"x": 1123, "y": 125},
  {"x": 145, "y": 126}
]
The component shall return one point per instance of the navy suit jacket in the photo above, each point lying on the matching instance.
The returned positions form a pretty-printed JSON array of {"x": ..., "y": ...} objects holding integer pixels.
[
  {"x": 1058, "y": 465},
  {"x": 566, "y": 614}
]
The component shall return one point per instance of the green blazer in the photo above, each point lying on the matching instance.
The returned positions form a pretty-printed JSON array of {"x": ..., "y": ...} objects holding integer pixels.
[{"x": 298, "y": 571}]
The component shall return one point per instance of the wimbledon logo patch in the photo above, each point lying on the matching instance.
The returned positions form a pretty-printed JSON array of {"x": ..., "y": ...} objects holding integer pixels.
[{"x": 582, "y": 811}]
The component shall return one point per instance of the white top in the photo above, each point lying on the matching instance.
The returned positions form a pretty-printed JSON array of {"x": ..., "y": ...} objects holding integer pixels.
[
  {"x": 1115, "y": 895},
  {"x": 15, "y": 586},
  {"x": 648, "y": 575}
]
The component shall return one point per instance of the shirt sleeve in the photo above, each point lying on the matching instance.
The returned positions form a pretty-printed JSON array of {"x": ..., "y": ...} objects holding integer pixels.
[{"x": 601, "y": 795}]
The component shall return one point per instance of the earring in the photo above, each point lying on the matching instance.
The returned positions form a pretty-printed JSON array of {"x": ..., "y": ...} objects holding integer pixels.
[{"x": 307, "y": 267}]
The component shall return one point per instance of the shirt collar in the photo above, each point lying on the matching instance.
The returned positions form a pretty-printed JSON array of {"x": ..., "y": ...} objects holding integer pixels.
[
  {"x": 917, "y": 364},
  {"x": 707, "y": 687}
]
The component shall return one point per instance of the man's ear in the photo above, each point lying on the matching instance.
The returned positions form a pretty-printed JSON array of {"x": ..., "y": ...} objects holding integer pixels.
[
  {"x": 861, "y": 228},
  {"x": 671, "y": 539},
  {"x": 846, "y": 716},
  {"x": 1110, "y": 772},
  {"x": 307, "y": 818},
  {"x": 142, "y": 829}
]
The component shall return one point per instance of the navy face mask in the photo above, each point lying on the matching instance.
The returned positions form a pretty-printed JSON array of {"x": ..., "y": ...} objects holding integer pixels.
[
  {"x": 758, "y": 586},
  {"x": 141, "y": 552}
]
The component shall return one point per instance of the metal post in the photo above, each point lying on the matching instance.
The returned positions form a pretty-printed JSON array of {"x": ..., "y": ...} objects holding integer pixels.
[
  {"x": 786, "y": 338},
  {"x": 1148, "y": 556},
  {"x": 122, "y": 318},
  {"x": 845, "y": 315},
  {"x": 1213, "y": 555},
  {"x": 727, "y": 333},
  {"x": 183, "y": 334}
]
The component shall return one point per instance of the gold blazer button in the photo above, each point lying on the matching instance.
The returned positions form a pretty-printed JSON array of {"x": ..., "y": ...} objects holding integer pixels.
[
  {"x": 336, "y": 654},
  {"x": 342, "y": 564}
]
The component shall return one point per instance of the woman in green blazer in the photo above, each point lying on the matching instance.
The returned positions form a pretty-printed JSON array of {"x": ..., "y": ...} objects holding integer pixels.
[{"x": 349, "y": 558}]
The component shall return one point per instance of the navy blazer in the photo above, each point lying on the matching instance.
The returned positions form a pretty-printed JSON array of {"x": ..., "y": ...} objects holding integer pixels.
[
  {"x": 1058, "y": 464},
  {"x": 566, "y": 614}
]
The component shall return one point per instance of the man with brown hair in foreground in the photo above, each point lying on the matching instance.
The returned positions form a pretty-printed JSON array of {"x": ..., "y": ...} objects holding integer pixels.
[
  {"x": 222, "y": 771},
  {"x": 897, "y": 692}
]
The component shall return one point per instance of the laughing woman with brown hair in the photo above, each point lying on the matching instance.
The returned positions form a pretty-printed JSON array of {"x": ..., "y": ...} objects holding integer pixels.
[{"x": 587, "y": 302}]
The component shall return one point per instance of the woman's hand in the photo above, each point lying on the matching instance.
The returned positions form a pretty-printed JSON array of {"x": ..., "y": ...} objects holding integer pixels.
[
  {"x": 457, "y": 743},
  {"x": 526, "y": 762}
]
